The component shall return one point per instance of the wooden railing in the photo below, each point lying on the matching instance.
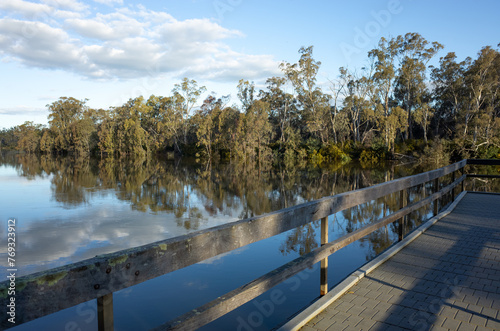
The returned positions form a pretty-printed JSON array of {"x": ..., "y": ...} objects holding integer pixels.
[{"x": 98, "y": 278}]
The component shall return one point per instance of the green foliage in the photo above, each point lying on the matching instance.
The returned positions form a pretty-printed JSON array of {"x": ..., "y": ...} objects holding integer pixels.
[
  {"x": 436, "y": 153},
  {"x": 388, "y": 108},
  {"x": 377, "y": 153},
  {"x": 332, "y": 152},
  {"x": 411, "y": 147},
  {"x": 28, "y": 135},
  {"x": 8, "y": 139}
]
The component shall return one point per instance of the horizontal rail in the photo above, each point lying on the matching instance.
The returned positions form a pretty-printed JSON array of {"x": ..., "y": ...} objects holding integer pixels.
[
  {"x": 234, "y": 299},
  {"x": 50, "y": 291}
]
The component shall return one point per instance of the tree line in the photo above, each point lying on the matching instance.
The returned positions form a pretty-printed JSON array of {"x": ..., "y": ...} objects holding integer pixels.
[{"x": 397, "y": 103}]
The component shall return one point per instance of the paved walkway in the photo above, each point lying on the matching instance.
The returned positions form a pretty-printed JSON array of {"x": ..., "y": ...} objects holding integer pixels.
[{"x": 447, "y": 279}]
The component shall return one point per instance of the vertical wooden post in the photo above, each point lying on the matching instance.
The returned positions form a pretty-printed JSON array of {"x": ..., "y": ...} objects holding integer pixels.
[
  {"x": 462, "y": 172},
  {"x": 105, "y": 321},
  {"x": 436, "y": 202},
  {"x": 324, "y": 262},
  {"x": 424, "y": 194},
  {"x": 407, "y": 218},
  {"x": 402, "y": 202},
  {"x": 453, "y": 189}
]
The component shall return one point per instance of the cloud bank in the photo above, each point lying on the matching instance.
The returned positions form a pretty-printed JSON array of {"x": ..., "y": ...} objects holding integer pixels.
[{"x": 122, "y": 42}]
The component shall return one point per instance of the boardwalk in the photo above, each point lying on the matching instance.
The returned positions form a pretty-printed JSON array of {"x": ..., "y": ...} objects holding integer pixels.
[{"x": 447, "y": 279}]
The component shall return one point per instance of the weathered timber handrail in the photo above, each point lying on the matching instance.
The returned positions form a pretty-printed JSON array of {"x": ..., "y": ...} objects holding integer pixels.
[
  {"x": 222, "y": 305},
  {"x": 47, "y": 292}
]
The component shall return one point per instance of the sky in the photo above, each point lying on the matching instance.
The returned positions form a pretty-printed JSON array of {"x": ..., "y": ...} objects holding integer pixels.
[{"x": 108, "y": 51}]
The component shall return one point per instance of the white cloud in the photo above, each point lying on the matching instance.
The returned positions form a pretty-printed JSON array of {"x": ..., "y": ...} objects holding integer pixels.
[
  {"x": 109, "y": 2},
  {"x": 39, "y": 45},
  {"x": 23, "y": 110},
  {"x": 67, "y": 4},
  {"x": 194, "y": 30},
  {"x": 96, "y": 29},
  {"x": 66, "y": 14},
  {"x": 25, "y": 8},
  {"x": 125, "y": 43}
]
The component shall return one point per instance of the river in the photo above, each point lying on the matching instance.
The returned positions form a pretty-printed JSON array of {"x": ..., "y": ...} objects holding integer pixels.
[{"x": 68, "y": 210}]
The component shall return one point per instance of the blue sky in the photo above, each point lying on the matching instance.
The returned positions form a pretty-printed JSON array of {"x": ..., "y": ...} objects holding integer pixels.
[{"x": 111, "y": 50}]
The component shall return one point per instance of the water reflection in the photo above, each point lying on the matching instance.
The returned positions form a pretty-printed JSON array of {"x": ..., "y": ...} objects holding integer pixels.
[{"x": 86, "y": 207}]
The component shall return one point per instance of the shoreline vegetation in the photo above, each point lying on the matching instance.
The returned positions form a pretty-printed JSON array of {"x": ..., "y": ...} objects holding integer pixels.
[{"x": 397, "y": 107}]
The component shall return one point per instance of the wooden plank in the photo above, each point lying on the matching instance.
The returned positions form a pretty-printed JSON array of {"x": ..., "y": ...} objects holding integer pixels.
[
  {"x": 105, "y": 319},
  {"x": 234, "y": 299},
  {"x": 324, "y": 262},
  {"x": 49, "y": 291}
]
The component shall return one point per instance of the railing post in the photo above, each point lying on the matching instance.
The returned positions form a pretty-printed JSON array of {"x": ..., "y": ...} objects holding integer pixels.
[
  {"x": 436, "y": 202},
  {"x": 402, "y": 202},
  {"x": 105, "y": 320},
  {"x": 453, "y": 189},
  {"x": 324, "y": 262},
  {"x": 462, "y": 172}
]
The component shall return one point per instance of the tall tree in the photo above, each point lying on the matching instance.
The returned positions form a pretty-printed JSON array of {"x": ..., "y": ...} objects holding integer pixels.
[
  {"x": 410, "y": 86},
  {"x": 210, "y": 123},
  {"x": 131, "y": 137},
  {"x": 246, "y": 93},
  {"x": 449, "y": 91},
  {"x": 258, "y": 131},
  {"x": 64, "y": 113},
  {"x": 313, "y": 102},
  {"x": 28, "y": 135},
  {"x": 186, "y": 94},
  {"x": 283, "y": 111},
  {"x": 385, "y": 58},
  {"x": 480, "y": 117},
  {"x": 357, "y": 103}
]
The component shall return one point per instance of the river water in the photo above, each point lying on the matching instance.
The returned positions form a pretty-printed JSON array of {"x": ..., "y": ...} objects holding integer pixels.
[{"x": 69, "y": 210}]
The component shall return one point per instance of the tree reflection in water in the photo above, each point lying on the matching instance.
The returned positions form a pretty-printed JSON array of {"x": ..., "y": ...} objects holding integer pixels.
[{"x": 189, "y": 191}]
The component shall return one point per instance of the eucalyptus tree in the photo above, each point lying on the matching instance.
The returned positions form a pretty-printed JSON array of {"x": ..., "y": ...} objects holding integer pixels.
[
  {"x": 258, "y": 130},
  {"x": 130, "y": 136},
  {"x": 84, "y": 133},
  {"x": 210, "y": 121},
  {"x": 480, "y": 123},
  {"x": 357, "y": 105},
  {"x": 106, "y": 134},
  {"x": 449, "y": 91},
  {"x": 337, "y": 88},
  {"x": 64, "y": 113},
  {"x": 423, "y": 115},
  {"x": 28, "y": 135},
  {"x": 313, "y": 103},
  {"x": 246, "y": 93},
  {"x": 164, "y": 122},
  {"x": 8, "y": 139},
  {"x": 186, "y": 94},
  {"x": 410, "y": 87},
  {"x": 385, "y": 59},
  {"x": 283, "y": 113}
]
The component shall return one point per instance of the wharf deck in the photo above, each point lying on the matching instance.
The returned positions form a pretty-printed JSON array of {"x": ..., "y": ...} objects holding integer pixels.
[{"x": 448, "y": 278}]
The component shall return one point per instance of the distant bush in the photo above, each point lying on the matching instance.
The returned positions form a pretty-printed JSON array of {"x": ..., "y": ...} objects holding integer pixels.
[
  {"x": 437, "y": 153},
  {"x": 333, "y": 152}
]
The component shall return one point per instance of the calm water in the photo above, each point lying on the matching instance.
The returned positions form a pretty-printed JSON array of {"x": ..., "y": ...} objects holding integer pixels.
[{"x": 70, "y": 210}]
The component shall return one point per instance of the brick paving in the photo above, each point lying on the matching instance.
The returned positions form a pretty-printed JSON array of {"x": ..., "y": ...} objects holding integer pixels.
[{"x": 446, "y": 279}]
